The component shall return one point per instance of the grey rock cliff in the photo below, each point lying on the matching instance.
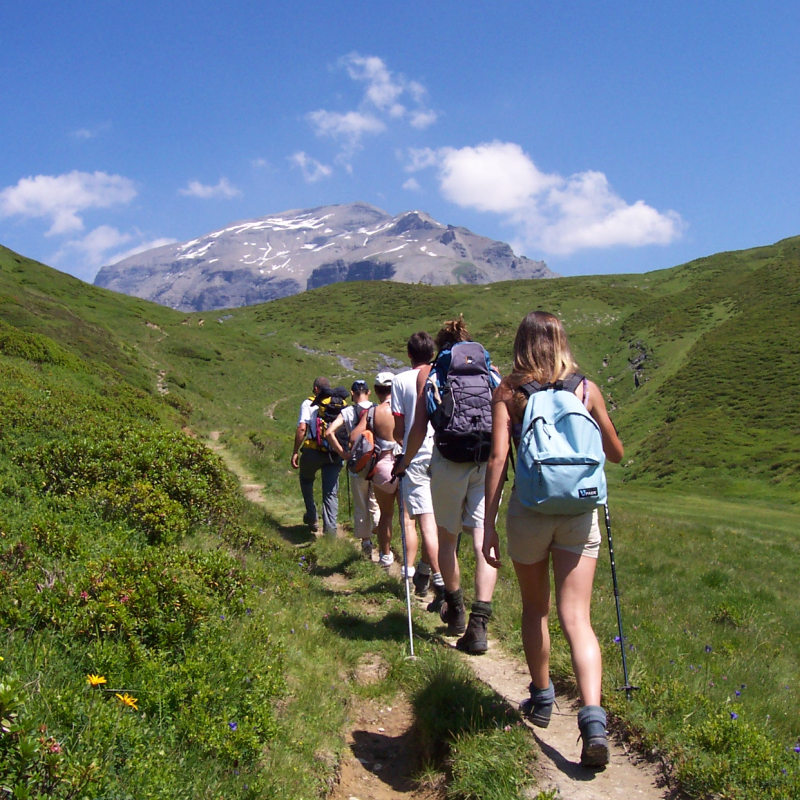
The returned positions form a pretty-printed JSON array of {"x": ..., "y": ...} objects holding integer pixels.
[{"x": 276, "y": 256}]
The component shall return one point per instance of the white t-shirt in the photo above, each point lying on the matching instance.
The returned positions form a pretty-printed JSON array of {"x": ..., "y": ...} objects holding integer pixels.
[
  {"x": 350, "y": 415},
  {"x": 404, "y": 404},
  {"x": 305, "y": 412}
]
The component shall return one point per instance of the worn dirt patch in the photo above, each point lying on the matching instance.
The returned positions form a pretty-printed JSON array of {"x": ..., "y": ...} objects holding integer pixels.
[{"x": 381, "y": 758}]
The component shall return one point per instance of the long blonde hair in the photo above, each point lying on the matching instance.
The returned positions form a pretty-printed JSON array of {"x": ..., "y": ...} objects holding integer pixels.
[{"x": 541, "y": 352}]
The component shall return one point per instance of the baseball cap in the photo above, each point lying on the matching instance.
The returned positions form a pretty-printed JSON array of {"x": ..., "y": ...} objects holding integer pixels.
[
  {"x": 359, "y": 386},
  {"x": 384, "y": 379}
]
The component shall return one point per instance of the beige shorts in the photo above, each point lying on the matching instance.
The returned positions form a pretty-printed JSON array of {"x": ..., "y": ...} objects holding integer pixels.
[
  {"x": 417, "y": 488},
  {"x": 530, "y": 535},
  {"x": 458, "y": 493},
  {"x": 382, "y": 477}
]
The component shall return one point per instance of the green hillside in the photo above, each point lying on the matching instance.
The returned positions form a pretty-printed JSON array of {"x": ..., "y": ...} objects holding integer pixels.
[
  {"x": 126, "y": 549},
  {"x": 715, "y": 344}
]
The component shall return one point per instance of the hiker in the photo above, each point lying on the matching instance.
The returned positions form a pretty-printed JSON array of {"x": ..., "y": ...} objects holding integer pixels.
[
  {"x": 383, "y": 484},
  {"x": 457, "y": 486},
  {"x": 311, "y": 456},
  {"x": 416, "y": 486},
  {"x": 542, "y": 354},
  {"x": 366, "y": 512}
]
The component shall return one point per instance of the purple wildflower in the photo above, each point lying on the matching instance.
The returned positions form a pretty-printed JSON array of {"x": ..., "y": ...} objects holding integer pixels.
[
  {"x": 734, "y": 715},
  {"x": 708, "y": 648},
  {"x": 233, "y": 726}
]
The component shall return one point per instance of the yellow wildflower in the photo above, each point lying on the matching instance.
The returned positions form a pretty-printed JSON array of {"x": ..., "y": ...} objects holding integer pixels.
[
  {"x": 129, "y": 701},
  {"x": 95, "y": 680}
]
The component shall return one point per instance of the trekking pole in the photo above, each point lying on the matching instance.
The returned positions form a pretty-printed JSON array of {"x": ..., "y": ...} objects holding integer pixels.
[
  {"x": 349, "y": 500},
  {"x": 405, "y": 564},
  {"x": 627, "y": 688}
]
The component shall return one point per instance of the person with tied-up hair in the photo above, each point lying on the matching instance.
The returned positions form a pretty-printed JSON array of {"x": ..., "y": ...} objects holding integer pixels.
[
  {"x": 542, "y": 355},
  {"x": 457, "y": 491},
  {"x": 366, "y": 513}
]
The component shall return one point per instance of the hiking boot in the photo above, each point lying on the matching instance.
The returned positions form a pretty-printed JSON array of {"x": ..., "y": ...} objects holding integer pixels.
[
  {"x": 386, "y": 560},
  {"x": 366, "y": 549},
  {"x": 592, "y": 724},
  {"x": 452, "y": 612},
  {"x": 438, "y": 599},
  {"x": 421, "y": 583},
  {"x": 474, "y": 639},
  {"x": 313, "y": 524},
  {"x": 539, "y": 706}
]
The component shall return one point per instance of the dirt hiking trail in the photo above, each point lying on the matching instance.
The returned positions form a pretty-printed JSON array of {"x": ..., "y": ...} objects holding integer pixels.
[{"x": 381, "y": 760}]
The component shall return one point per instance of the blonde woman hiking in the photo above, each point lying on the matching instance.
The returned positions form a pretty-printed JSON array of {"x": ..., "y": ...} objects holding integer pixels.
[{"x": 542, "y": 355}]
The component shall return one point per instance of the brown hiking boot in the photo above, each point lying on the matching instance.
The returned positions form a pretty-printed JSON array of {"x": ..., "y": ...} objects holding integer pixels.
[
  {"x": 474, "y": 639},
  {"x": 452, "y": 612}
]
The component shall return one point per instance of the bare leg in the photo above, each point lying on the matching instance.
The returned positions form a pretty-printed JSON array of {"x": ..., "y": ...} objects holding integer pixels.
[
  {"x": 485, "y": 576},
  {"x": 411, "y": 533},
  {"x": 574, "y": 575},
  {"x": 430, "y": 540},
  {"x": 448, "y": 560},
  {"x": 534, "y": 584},
  {"x": 386, "y": 505}
]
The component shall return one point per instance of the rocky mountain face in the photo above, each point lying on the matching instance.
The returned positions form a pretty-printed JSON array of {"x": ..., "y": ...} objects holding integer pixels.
[{"x": 276, "y": 256}]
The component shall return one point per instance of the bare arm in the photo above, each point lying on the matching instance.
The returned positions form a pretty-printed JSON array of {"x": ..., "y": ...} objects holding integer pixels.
[
  {"x": 330, "y": 435},
  {"x": 299, "y": 435},
  {"x": 399, "y": 428},
  {"x": 419, "y": 430},
  {"x": 496, "y": 469},
  {"x": 359, "y": 429},
  {"x": 612, "y": 446}
]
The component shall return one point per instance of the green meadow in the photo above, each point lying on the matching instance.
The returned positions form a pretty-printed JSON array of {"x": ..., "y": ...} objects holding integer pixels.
[{"x": 128, "y": 552}]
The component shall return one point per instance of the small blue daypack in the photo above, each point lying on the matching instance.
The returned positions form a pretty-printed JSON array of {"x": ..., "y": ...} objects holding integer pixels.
[
  {"x": 560, "y": 457},
  {"x": 458, "y": 397}
]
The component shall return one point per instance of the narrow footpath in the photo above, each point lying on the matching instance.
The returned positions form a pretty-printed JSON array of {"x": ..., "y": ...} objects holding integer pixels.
[{"x": 379, "y": 739}]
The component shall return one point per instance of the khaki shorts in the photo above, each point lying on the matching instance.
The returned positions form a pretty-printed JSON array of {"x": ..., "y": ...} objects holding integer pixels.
[
  {"x": 458, "y": 493},
  {"x": 530, "y": 535},
  {"x": 417, "y": 488}
]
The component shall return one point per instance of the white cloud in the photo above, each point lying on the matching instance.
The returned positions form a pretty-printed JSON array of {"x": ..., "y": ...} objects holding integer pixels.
[
  {"x": 386, "y": 98},
  {"x": 101, "y": 247},
  {"x": 62, "y": 198},
  {"x": 311, "y": 168},
  {"x": 382, "y": 89},
  {"x": 549, "y": 212},
  {"x": 412, "y": 184},
  {"x": 223, "y": 189},
  {"x": 350, "y": 126},
  {"x": 91, "y": 249},
  {"x": 423, "y": 118},
  {"x": 91, "y": 133},
  {"x": 260, "y": 163},
  {"x": 497, "y": 177}
]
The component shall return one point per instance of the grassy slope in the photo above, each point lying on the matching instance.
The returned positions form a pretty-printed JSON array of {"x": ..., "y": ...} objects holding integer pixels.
[{"x": 715, "y": 418}]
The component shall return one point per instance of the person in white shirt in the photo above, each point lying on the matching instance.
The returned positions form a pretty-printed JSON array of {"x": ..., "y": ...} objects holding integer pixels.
[
  {"x": 366, "y": 513},
  {"x": 309, "y": 459},
  {"x": 417, "y": 482}
]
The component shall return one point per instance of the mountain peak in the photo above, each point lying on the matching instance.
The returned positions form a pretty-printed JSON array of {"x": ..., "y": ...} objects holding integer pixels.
[{"x": 262, "y": 259}]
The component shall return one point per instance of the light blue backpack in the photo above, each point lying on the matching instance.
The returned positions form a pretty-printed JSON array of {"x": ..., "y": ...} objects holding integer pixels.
[{"x": 560, "y": 457}]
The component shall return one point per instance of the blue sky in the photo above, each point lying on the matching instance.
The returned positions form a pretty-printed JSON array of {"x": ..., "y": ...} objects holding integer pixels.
[{"x": 598, "y": 137}]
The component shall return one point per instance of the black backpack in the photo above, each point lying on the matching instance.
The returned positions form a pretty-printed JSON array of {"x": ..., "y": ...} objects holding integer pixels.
[
  {"x": 330, "y": 406},
  {"x": 458, "y": 396}
]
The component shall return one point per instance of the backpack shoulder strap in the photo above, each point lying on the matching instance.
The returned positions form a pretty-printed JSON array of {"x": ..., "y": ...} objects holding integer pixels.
[
  {"x": 571, "y": 382},
  {"x": 531, "y": 388},
  {"x": 371, "y": 418}
]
